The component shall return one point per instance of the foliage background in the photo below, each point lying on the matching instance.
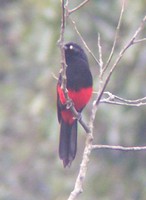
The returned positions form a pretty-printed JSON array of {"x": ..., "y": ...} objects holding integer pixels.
[{"x": 29, "y": 164}]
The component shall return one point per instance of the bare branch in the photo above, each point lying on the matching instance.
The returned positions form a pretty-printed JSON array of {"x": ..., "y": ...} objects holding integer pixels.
[
  {"x": 139, "y": 29},
  {"x": 61, "y": 45},
  {"x": 85, "y": 44},
  {"x": 100, "y": 55},
  {"x": 140, "y": 40},
  {"x": 78, "y": 116},
  {"x": 78, "y": 7},
  {"x": 121, "y": 148},
  {"x": 54, "y": 76},
  {"x": 116, "y": 37},
  {"x": 85, "y": 160},
  {"x": 112, "y": 96},
  {"x": 122, "y": 103},
  {"x": 83, "y": 169},
  {"x": 115, "y": 100},
  {"x": 130, "y": 43}
]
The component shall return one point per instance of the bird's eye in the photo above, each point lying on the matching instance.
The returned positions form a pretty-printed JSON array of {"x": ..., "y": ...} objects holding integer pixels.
[{"x": 71, "y": 47}]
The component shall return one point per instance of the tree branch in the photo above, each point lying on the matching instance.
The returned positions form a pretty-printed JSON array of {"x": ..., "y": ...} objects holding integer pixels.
[
  {"x": 116, "y": 37},
  {"x": 85, "y": 44},
  {"x": 121, "y": 148},
  {"x": 130, "y": 43},
  {"x": 61, "y": 46},
  {"x": 83, "y": 169},
  {"x": 78, "y": 7},
  {"x": 100, "y": 56},
  {"x": 140, "y": 40},
  {"x": 115, "y": 100}
]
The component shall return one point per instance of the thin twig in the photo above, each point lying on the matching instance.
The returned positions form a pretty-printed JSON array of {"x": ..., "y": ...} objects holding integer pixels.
[
  {"x": 61, "y": 45},
  {"x": 122, "y": 103},
  {"x": 121, "y": 148},
  {"x": 100, "y": 55},
  {"x": 54, "y": 76},
  {"x": 78, "y": 7},
  {"x": 116, "y": 100},
  {"x": 78, "y": 116},
  {"x": 140, "y": 40},
  {"x": 130, "y": 43},
  {"x": 115, "y": 38},
  {"x": 85, "y": 44},
  {"x": 112, "y": 96}
]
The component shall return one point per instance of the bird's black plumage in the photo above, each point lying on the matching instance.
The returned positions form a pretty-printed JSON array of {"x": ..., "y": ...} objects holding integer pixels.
[{"x": 79, "y": 85}]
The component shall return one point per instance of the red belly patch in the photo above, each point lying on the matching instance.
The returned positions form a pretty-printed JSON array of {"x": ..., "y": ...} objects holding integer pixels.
[{"x": 80, "y": 98}]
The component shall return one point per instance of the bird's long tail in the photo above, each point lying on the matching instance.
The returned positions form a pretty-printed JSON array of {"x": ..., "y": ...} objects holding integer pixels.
[{"x": 68, "y": 142}]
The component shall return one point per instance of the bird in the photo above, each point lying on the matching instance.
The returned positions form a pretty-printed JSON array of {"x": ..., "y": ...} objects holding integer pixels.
[{"x": 79, "y": 84}]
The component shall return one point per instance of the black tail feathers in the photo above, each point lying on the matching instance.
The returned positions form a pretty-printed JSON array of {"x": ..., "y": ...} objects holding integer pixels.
[{"x": 68, "y": 142}]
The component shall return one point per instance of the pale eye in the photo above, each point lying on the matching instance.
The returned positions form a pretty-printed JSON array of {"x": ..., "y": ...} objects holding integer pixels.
[{"x": 71, "y": 47}]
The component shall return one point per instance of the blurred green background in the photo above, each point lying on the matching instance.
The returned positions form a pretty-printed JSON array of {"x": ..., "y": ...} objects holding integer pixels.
[{"x": 29, "y": 131}]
